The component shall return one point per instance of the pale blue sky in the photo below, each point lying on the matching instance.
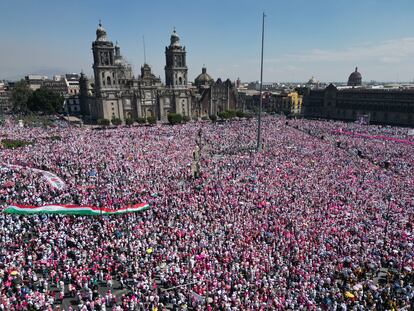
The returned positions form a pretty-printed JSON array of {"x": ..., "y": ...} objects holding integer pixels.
[{"x": 321, "y": 38}]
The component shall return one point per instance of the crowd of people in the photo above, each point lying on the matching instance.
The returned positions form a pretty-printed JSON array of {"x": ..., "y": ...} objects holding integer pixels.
[{"x": 307, "y": 223}]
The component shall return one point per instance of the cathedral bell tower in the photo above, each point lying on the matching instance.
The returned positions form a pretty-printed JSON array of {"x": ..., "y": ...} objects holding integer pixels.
[
  {"x": 176, "y": 65},
  {"x": 103, "y": 62},
  {"x": 108, "y": 101}
]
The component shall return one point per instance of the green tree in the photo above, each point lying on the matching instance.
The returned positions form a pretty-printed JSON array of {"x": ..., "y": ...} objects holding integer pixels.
[
  {"x": 129, "y": 121},
  {"x": 223, "y": 115},
  {"x": 14, "y": 143},
  {"x": 231, "y": 114},
  {"x": 116, "y": 121},
  {"x": 141, "y": 120},
  {"x": 186, "y": 119},
  {"x": 240, "y": 114},
  {"x": 20, "y": 96},
  {"x": 44, "y": 100},
  {"x": 152, "y": 120},
  {"x": 174, "y": 118}
]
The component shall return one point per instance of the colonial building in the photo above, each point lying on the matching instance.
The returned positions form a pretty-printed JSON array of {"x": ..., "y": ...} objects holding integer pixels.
[
  {"x": 147, "y": 94},
  {"x": 86, "y": 95},
  {"x": 72, "y": 105},
  {"x": 386, "y": 106},
  {"x": 58, "y": 84},
  {"x": 118, "y": 94},
  {"x": 5, "y": 100},
  {"x": 219, "y": 97},
  {"x": 176, "y": 64},
  {"x": 72, "y": 83},
  {"x": 177, "y": 97},
  {"x": 288, "y": 103}
]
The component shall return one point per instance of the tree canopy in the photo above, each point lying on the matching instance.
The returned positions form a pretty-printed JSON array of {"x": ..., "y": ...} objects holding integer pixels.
[
  {"x": 47, "y": 101},
  {"x": 20, "y": 96},
  {"x": 42, "y": 100},
  {"x": 175, "y": 118}
]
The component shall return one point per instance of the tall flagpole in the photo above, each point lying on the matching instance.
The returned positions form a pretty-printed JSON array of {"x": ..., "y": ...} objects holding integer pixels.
[{"x": 259, "y": 121}]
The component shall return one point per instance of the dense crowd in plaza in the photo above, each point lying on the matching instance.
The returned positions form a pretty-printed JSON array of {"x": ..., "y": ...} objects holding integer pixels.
[{"x": 308, "y": 223}]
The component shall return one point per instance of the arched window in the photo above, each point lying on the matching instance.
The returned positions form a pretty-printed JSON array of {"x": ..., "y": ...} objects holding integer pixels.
[
  {"x": 108, "y": 80},
  {"x": 180, "y": 79}
]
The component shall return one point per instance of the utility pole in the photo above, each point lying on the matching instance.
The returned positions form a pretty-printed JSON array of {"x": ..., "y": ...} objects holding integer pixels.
[{"x": 259, "y": 120}]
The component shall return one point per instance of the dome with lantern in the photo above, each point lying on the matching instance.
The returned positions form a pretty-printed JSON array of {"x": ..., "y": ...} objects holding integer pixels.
[
  {"x": 203, "y": 78},
  {"x": 355, "y": 78},
  {"x": 175, "y": 39},
  {"x": 101, "y": 33}
]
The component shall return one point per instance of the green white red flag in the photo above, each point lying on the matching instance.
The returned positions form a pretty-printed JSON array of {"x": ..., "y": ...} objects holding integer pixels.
[{"x": 73, "y": 209}]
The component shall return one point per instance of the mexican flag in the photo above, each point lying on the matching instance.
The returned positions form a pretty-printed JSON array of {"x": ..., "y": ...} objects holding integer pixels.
[{"x": 73, "y": 209}]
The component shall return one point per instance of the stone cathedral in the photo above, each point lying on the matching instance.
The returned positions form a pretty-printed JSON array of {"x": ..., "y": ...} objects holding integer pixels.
[{"x": 117, "y": 93}]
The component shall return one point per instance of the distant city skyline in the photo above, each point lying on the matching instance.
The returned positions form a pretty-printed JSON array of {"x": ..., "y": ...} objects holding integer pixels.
[{"x": 321, "y": 38}]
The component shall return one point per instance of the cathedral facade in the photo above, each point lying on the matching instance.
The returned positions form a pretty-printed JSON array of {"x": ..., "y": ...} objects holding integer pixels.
[{"x": 116, "y": 93}]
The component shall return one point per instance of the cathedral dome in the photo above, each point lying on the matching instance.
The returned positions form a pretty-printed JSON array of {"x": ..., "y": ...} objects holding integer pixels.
[
  {"x": 312, "y": 80},
  {"x": 101, "y": 33},
  {"x": 175, "y": 39},
  {"x": 355, "y": 78},
  {"x": 119, "y": 60},
  {"x": 203, "y": 78}
]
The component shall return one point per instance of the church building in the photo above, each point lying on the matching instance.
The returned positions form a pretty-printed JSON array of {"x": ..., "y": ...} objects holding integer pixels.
[{"x": 117, "y": 94}]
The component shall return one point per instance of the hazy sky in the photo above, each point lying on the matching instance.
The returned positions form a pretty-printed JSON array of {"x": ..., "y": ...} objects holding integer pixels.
[{"x": 321, "y": 38}]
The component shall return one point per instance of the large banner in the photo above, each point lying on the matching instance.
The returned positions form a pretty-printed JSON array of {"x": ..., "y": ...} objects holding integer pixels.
[
  {"x": 53, "y": 180},
  {"x": 73, "y": 209}
]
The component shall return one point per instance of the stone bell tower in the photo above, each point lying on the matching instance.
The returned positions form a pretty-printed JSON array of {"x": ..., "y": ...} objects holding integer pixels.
[
  {"x": 176, "y": 65},
  {"x": 108, "y": 101},
  {"x": 103, "y": 61}
]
